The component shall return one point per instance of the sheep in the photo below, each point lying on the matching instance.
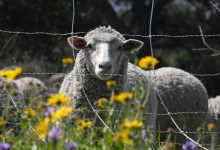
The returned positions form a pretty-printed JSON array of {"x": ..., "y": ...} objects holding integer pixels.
[
  {"x": 214, "y": 115},
  {"x": 181, "y": 92},
  {"x": 31, "y": 87},
  {"x": 102, "y": 56},
  {"x": 103, "y": 51},
  {"x": 34, "y": 90}
]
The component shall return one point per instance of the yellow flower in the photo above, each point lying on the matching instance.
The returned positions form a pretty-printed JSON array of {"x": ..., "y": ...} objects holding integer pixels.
[
  {"x": 67, "y": 61},
  {"x": 60, "y": 113},
  {"x": 123, "y": 97},
  {"x": 12, "y": 92},
  {"x": 123, "y": 136},
  {"x": 58, "y": 99},
  {"x": 30, "y": 112},
  {"x": 11, "y": 74},
  {"x": 1, "y": 136},
  {"x": 42, "y": 128},
  {"x": 2, "y": 122},
  {"x": 148, "y": 62},
  {"x": 18, "y": 70},
  {"x": 210, "y": 126},
  {"x": 136, "y": 124},
  {"x": 40, "y": 106},
  {"x": 132, "y": 124},
  {"x": 110, "y": 83},
  {"x": 84, "y": 125},
  {"x": 102, "y": 103},
  {"x": 2, "y": 73}
]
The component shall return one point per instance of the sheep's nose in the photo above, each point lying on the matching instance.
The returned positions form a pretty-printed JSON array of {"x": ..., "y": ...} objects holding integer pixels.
[{"x": 105, "y": 66}]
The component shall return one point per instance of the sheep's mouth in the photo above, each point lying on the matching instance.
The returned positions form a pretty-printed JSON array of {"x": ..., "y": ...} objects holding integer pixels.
[{"x": 104, "y": 76}]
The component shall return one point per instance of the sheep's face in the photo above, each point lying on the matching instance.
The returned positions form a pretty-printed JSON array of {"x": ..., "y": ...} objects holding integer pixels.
[{"x": 104, "y": 54}]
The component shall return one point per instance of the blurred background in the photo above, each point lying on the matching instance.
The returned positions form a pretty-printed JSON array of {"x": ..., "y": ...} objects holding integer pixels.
[{"x": 43, "y": 53}]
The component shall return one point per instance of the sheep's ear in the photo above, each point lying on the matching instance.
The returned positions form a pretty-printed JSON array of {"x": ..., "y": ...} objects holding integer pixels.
[
  {"x": 77, "y": 42},
  {"x": 131, "y": 44}
]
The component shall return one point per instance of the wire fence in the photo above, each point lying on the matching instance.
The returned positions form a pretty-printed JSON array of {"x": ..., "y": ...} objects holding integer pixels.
[{"x": 150, "y": 36}]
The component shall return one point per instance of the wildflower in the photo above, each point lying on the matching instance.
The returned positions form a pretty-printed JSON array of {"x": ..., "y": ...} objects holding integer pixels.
[
  {"x": 13, "y": 92},
  {"x": 141, "y": 107},
  {"x": 102, "y": 103},
  {"x": 57, "y": 84},
  {"x": 67, "y": 61},
  {"x": 2, "y": 122},
  {"x": 110, "y": 83},
  {"x": 170, "y": 130},
  {"x": 58, "y": 99},
  {"x": 123, "y": 136},
  {"x": 60, "y": 113},
  {"x": 189, "y": 145},
  {"x": 30, "y": 112},
  {"x": 169, "y": 146},
  {"x": 7, "y": 85},
  {"x": 210, "y": 126},
  {"x": 148, "y": 62},
  {"x": 132, "y": 124},
  {"x": 1, "y": 136},
  {"x": 71, "y": 146},
  {"x": 5, "y": 146},
  {"x": 54, "y": 134},
  {"x": 11, "y": 74},
  {"x": 49, "y": 110},
  {"x": 84, "y": 125},
  {"x": 42, "y": 128},
  {"x": 40, "y": 106},
  {"x": 123, "y": 97},
  {"x": 200, "y": 129}
]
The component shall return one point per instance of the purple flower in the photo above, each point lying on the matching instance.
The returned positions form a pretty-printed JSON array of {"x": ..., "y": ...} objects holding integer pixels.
[
  {"x": 49, "y": 111},
  {"x": 54, "y": 134},
  {"x": 71, "y": 146},
  {"x": 144, "y": 135},
  {"x": 189, "y": 145},
  {"x": 5, "y": 146}
]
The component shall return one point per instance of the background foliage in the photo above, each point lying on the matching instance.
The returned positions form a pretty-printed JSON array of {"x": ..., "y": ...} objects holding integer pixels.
[{"x": 43, "y": 53}]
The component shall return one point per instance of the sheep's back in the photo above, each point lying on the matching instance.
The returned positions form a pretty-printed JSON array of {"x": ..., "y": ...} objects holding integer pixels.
[
  {"x": 31, "y": 87},
  {"x": 181, "y": 92}
]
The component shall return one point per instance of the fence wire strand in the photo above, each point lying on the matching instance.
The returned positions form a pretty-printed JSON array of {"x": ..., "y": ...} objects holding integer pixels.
[{"x": 131, "y": 35}]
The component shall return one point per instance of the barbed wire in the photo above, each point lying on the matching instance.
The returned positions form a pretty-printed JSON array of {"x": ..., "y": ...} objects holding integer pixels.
[
  {"x": 162, "y": 114},
  {"x": 131, "y": 35},
  {"x": 56, "y": 73},
  {"x": 181, "y": 143}
]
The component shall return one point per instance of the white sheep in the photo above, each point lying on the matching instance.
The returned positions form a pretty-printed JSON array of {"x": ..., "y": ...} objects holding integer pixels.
[
  {"x": 102, "y": 56},
  {"x": 181, "y": 92},
  {"x": 214, "y": 115},
  {"x": 31, "y": 87}
]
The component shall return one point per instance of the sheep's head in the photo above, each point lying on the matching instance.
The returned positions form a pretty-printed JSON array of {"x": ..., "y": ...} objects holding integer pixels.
[{"x": 104, "y": 50}]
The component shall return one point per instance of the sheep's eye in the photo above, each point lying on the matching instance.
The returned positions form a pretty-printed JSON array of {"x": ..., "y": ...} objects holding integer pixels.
[
  {"x": 89, "y": 46},
  {"x": 119, "y": 47}
]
